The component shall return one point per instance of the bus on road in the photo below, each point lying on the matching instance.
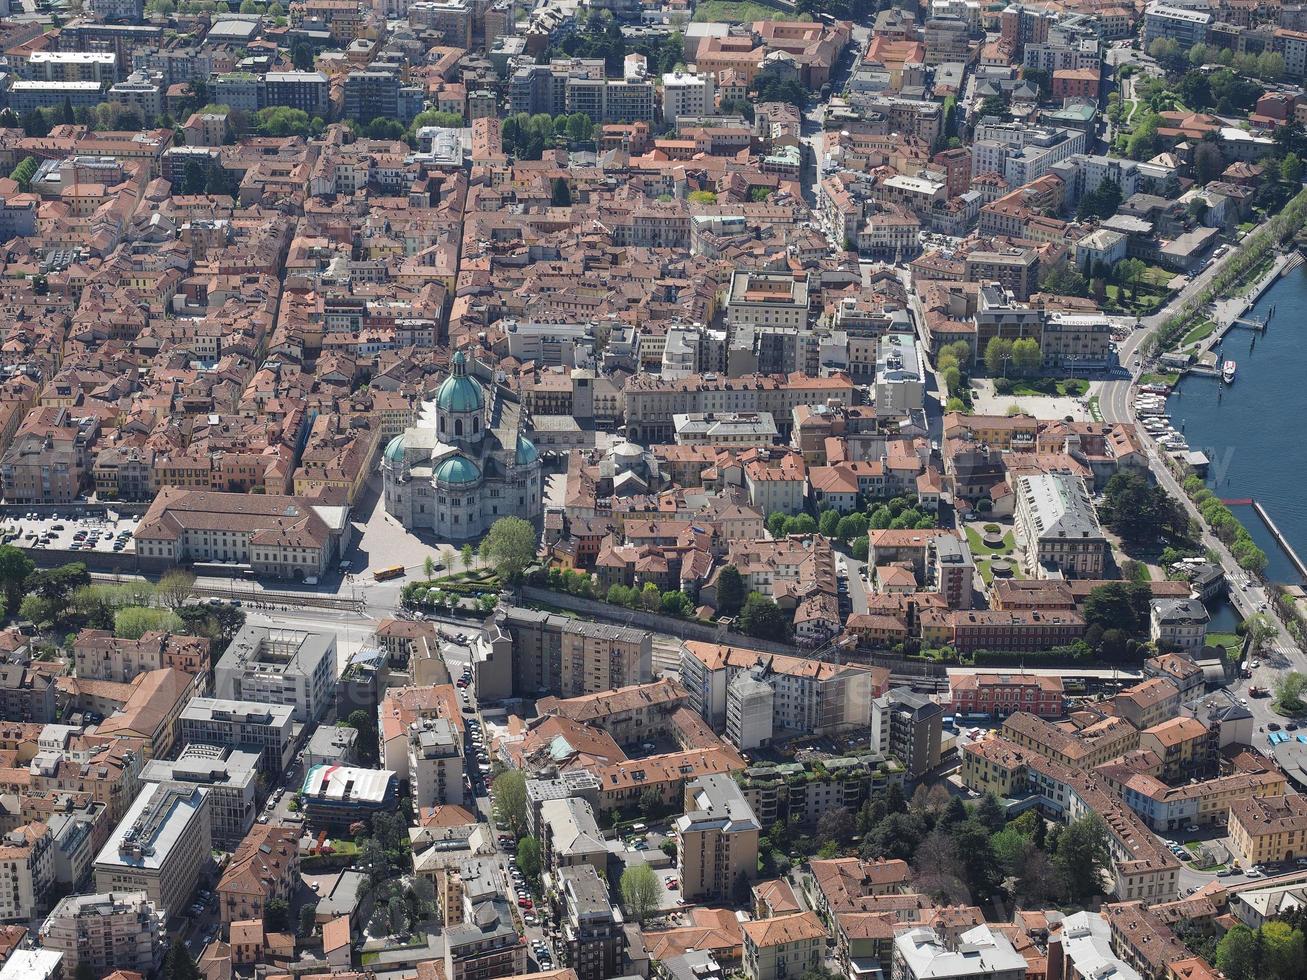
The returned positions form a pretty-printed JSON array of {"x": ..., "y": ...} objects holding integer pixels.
[{"x": 394, "y": 571}]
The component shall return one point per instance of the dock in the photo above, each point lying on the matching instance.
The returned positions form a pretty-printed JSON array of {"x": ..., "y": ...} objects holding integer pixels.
[
  {"x": 1257, "y": 323},
  {"x": 1280, "y": 539}
]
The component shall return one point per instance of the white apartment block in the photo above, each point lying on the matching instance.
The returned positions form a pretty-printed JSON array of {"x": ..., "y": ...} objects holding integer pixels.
[
  {"x": 435, "y": 762},
  {"x": 687, "y": 94},
  {"x": 1021, "y": 153},
  {"x": 122, "y": 931},
  {"x": 27, "y": 870}
]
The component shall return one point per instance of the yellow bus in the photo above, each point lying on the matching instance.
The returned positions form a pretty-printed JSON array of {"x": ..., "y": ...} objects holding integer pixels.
[{"x": 395, "y": 571}]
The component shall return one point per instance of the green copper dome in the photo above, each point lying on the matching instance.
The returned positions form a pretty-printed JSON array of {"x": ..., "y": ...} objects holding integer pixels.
[
  {"x": 526, "y": 451},
  {"x": 395, "y": 450},
  {"x": 457, "y": 469},
  {"x": 459, "y": 393}
]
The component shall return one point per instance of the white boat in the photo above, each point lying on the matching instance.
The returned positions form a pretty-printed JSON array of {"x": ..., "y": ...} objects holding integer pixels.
[{"x": 1227, "y": 371}]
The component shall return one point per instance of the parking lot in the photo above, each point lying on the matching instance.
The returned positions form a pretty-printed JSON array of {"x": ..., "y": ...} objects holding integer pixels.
[{"x": 102, "y": 534}]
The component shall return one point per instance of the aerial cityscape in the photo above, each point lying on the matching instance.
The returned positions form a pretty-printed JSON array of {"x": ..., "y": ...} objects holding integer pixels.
[{"x": 664, "y": 490}]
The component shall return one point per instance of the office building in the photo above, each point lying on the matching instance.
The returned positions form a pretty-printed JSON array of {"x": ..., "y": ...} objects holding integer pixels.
[
  {"x": 435, "y": 762},
  {"x": 336, "y": 796},
  {"x": 161, "y": 847},
  {"x": 1183, "y": 25},
  {"x": 767, "y": 299},
  {"x": 103, "y": 933},
  {"x": 271, "y": 665},
  {"x": 909, "y": 727},
  {"x": 592, "y": 935},
  {"x": 1020, "y": 152},
  {"x": 263, "y": 728},
  {"x": 1058, "y": 528},
  {"x": 229, "y": 773},
  {"x": 716, "y": 840}
]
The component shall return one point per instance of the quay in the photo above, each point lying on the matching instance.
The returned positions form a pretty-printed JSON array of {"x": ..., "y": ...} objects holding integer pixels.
[{"x": 1280, "y": 539}]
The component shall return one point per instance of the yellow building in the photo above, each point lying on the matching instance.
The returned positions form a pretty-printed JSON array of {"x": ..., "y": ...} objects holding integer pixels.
[
  {"x": 785, "y": 946},
  {"x": 1268, "y": 829},
  {"x": 1096, "y": 743},
  {"x": 1184, "y": 745}
]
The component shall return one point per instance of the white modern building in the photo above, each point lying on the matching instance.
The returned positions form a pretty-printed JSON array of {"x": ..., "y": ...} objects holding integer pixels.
[
  {"x": 1021, "y": 153},
  {"x": 230, "y": 774},
  {"x": 273, "y": 665},
  {"x": 160, "y": 847},
  {"x": 900, "y": 376},
  {"x": 435, "y": 762},
  {"x": 980, "y": 953},
  {"x": 266, "y": 728},
  {"x": 687, "y": 94}
]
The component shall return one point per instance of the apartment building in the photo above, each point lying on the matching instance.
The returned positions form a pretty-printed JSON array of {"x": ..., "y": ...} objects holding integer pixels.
[
  {"x": 909, "y": 727},
  {"x": 229, "y": 773},
  {"x": 1148, "y": 703},
  {"x": 1058, "y": 527},
  {"x": 99, "y": 655},
  {"x": 1089, "y": 746},
  {"x": 1268, "y": 829},
  {"x": 592, "y": 940},
  {"x": 150, "y": 713},
  {"x": 27, "y": 871},
  {"x": 784, "y": 946},
  {"x": 687, "y": 94},
  {"x": 337, "y": 796},
  {"x": 810, "y": 695},
  {"x": 1178, "y": 624},
  {"x": 435, "y": 762},
  {"x": 486, "y": 944},
  {"x": 1185, "y": 746},
  {"x": 1175, "y": 23},
  {"x": 980, "y": 953},
  {"x": 98, "y": 934},
  {"x": 1020, "y": 152},
  {"x": 264, "y": 728},
  {"x": 27, "y": 695},
  {"x": 716, "y": 840},
  {"x": 570, "y": 657},
  {"x": 276, "y": 536},
  {"x": 803, "y": 792},
  {"x": 272, "y": 665},
  {"x": 999, "y": 695},
  {"x": 570, "y": 836},
  {"x": 161, "y": 847},
  {"x": 264, "y": 867},
  {"x": 306, "y": 90},
  {"x": 48, "y": 461}
]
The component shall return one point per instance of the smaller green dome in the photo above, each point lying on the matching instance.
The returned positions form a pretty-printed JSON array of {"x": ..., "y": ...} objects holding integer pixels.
[
  {"x": 457, "y": 469},
  {"x": 395, "y": 450},
  {"x": 526, "y": 451}
]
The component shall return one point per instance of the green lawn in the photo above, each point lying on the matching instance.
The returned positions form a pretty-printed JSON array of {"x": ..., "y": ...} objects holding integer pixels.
[
  {"x": 1095, "y": 412},
  {"x": 1230, "y": 641},
  {"x": 1200, "y": 332},
  {"x": 743, "y": 11},
  {"x": 1195, "y": 848},
  {"x": 1061, "y": 387},
  {"x": 978, "y": 546},
  {"x": 1159, "y": 378}
]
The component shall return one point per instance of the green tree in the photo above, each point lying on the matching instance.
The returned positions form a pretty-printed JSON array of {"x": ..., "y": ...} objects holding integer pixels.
[
  {"x": 1082, "y": 858},
  {"x": 760, "y": 616},
  {"x": 528, "y": 858},
  {"x": 1026, "y": 356},
  {"x": 302, "y": 57},
  {"x": 828, "y": 522},
  {"x": 23, "y": 173},
  {"x": 510, "y": 802},
  {"x": 308, "y": 919},
  {"x": 66, "y": 116},
  {"x": 1289, "y": 688},
  {"x": 1291, "y": 169},
  {"x": 15, "y": 569},
  {"x": 510, "y": 546},
  {"x": 852, "y": 527},
  {"x": 1119, "y": 605},
  {"x": 276, "y": 915},
  {"x": 1236, "y": 953},
  {"x": 176, "y": 588},
  {"x": 998, "y": 353},
  {"x": 730, "y": 591},
  {"x": 467, "y": 556},
  {"x": 178, "y": 964},
  {"x": 561, "y": 194},
  {"x": 135, "y": 621},
  {"x": 640, "y": 890}
]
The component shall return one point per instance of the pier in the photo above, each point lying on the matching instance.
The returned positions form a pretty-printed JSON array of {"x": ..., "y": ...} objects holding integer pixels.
[
  {"x": 1257, "y": 323},
  {"x": 1280, "y": 538}
]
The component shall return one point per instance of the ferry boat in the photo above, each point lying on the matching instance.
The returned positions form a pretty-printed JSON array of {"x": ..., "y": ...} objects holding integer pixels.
[{"x": 1227, "y": 371}]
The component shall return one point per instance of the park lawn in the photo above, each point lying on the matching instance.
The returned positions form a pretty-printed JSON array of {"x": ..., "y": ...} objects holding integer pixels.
[
  {"x": 1159, "y": 378},
  {"x": 1200, "y": 332},
  {"x": 743, "y": 11},
  {"x": 978, "y": 546},
  {"x": 1061, "y": 387}
]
